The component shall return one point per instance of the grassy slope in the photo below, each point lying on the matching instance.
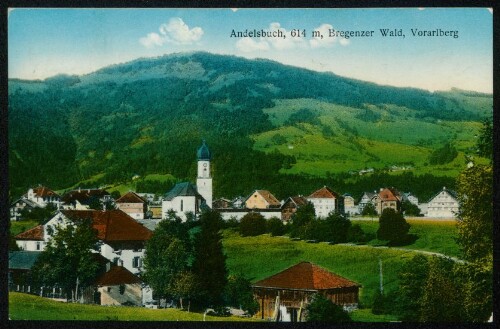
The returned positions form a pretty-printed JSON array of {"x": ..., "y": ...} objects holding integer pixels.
[
  {"x": 28, "y": 307},
  {"x": 396, "y": 138},
  {"x": 18, "y": 227}
]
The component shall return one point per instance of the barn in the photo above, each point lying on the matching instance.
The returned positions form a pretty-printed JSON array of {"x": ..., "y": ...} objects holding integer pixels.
[{"x": 284, "y": 296}]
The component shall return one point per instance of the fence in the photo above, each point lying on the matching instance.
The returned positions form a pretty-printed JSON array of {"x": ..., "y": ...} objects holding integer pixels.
[{"x": 47, "y": 292}]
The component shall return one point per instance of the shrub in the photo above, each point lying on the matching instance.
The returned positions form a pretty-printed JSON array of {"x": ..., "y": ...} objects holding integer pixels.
[
  {"x": 252, "y": 224},
  {"x": 322, "y": 309},
  {"x": 393, "y": 227},
  {"x": 275, "y": 226}
]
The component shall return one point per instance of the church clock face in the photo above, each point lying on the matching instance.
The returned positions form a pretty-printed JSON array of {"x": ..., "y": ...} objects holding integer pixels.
[{"x": 205, "y": 165}]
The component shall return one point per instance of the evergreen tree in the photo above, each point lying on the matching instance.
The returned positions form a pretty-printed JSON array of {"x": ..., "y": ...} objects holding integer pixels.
[
  {"x": 301, "y": 218},
  {"x": 275, "y": 226},
  {"x": 252, "y": 224},
  {"x": 393, "y": 227},
  {"x": 412, "y": 282},
  {"x": 369, "y": 210},
  {"x": 209, "y": 264},
  {"x": 238, "y": 293}
]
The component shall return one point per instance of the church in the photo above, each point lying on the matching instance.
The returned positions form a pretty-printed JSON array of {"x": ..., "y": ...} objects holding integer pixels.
[{"x": 186, "y": 197}]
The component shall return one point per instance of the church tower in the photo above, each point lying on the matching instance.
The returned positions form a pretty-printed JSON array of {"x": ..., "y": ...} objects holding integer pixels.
[{"x": 204, "y": 180}]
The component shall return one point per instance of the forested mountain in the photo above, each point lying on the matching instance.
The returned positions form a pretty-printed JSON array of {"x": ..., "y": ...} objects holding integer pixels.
[{"x": 268, "y": 125}]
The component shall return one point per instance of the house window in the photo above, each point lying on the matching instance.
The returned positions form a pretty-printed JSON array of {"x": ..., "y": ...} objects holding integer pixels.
[
  {"x": 38, "y": 246},
  {"x": 182, "y": 205},
  {"x": 136, "y": 262}
]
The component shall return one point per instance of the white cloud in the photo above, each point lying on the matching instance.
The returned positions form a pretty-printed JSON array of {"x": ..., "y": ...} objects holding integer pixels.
[
  {"x": 323, "y": 40},
  {"x": 249, "y": 45},
  {"x": 264, "y": 43},
  {"x": 175, "y": 31}
]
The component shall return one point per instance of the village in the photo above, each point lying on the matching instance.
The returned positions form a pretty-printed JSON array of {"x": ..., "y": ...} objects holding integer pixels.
[{"x": 125, "y": 224}]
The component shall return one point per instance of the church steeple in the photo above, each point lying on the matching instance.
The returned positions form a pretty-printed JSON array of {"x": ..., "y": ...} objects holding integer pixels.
[
  {"x": 204, "y": 180},
  {"x": 203, "y": 152}
]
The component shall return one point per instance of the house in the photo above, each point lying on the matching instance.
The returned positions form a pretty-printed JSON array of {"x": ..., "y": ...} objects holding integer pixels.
[
  {"x": 443, "y": 205},
  {"x": 118, "y": 286},
  {"x": 122, "y": 239},
  {"x": 82, "y": 199},
  {"x": 43, "y": 196},
  {"x": 349, "y": 205},
  {"x": 285, "y": 295},
  {"x": 32, "y": 239},
  {"x": 387, "y": 198},
  {"x": 326, "y": 201},
  {"x": 262, "y": 199},
  {"x": 238, "y": 202},
  {"x": 290, "y": 207},
  {"x": 20, "y": 265},
  {"x": 222, "y": 203},
  {"x": 410, "y": 198},
  {"x": 132, "y": 204},
  {"x": 20, "y": 206},
  {"x": 182, "y": 199},
  {"x": 366, "y": 198}
]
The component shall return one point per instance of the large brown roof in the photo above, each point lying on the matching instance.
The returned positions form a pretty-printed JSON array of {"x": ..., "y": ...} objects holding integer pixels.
[
  {"x": 269, "y": 197},
  {"x": 324, "y": 193},
  {"x": 36, "y": 233},
  {"x": 117, "y": 275},
  {"x": 389, "y": 195},
  {"x": 305, "y": 276},
  {"x": 130, "y": 197},
  {"x": 42, "y": 192},
  {"x": 83, "y": 195},
  {"x": 111, "y": 225}
]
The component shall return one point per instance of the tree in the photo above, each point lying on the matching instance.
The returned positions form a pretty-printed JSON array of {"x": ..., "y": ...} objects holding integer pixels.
[
  {"x": 252, "y": 224},
  {"x": 275, "y": 226},
  {"x": 412, "y": 282},
  {"x": 209, "y": 263},
  {"x": 322, "y": 309},
  {"x": 166, "y": 256},
  {"x": 39, "y": 214},
  {"x": 475, "y": 215},
  {"x": 238, "y": 293},
  {"x": 338, "y": 226},
  {"x": 443, "y": 155},
  {"x": 369, "y": 210},
  {"x": 393, "y": 227},
  {"x": 485, "y": 141},
  {"x": 68, "y": 260},
  {"x": 356, "y": 234},
  {"x": 410, "y": 209},
  {"x": 301, "y": 218},
  {"x": 185, "y": 286}
]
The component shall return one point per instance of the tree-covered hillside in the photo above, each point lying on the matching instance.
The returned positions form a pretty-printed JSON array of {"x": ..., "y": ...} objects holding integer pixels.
[{"x": 268, "y": 125}]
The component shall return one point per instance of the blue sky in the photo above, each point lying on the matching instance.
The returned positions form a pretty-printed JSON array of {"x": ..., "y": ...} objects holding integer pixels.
[{"x": 46, "y": 42}]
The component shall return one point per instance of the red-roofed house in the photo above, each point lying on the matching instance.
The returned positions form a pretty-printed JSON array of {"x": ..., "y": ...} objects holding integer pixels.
[
  {"x": 119, "y": 286},
  {"x": 262, "y": 199},
  {"x": 326, "y": 201},
  {"x": 290, "y": 207},
  {"x": 32, "y": 239},
  {"x": 123, "y": 239},
  {"x": 132, "y": 204},
  {"x": 42, "y": 196},
  {"x": 284, "y": 296},
  {"x": 387, "y": 198}
]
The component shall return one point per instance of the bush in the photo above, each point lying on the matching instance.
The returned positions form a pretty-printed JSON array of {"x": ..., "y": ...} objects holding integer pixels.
[
  {"x": 322, "y": 309},
  {"x": 393, "y": 227},
  {"x": 356, "y": 234},
  {"x": 275, "y": 226},
  {"x": 369, "y": 210},
  {"x": 252, "y": 224}
]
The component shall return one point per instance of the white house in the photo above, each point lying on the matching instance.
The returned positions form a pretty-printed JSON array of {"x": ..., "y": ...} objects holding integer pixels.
[
  {"x": 366, "y": 198},
  {"x": 42, "y": 196},
  {"x": 32, "y": 239},
  {"x": 20, "y": 205},
  {"x": 443, "y": 205},
  {"x": 349, "y": 205},
  {"x": 326, "y": 201}
]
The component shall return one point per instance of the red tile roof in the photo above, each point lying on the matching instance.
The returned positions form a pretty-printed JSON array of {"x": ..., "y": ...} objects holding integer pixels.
[
  {"x": 389, "y": 195},
  {"x": 83, "y": 195},
  {"x": 43, "y": 192},
  {"x": 36, "y": 233},
  {"x": 324, "y": 193},
  {"x": 305, "y": 276},
  {"x": 117, "y": 275},
  {"x": 130, "y": 197},
  {"x": 112, "y": 225}
]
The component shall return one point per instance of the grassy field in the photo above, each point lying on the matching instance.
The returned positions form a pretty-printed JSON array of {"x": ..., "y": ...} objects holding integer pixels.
[
  {"x": 29, "y": 307},
  {"x": 18, "y": 227}
]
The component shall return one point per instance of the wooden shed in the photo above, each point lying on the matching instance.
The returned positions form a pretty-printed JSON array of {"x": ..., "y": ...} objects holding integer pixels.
[{"x": 284, "y": 296}]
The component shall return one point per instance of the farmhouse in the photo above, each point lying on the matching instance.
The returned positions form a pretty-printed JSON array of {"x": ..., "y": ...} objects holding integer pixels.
[
  {"x": 42, "y": 196},
  {"x": 262, "y": 199},
  {"x": 21, "y": 205},
  {"x": 284, "y": 296},
  {"x": 32, "y": 239},
  {"x": 366, "y": 198},
  {"x": 443, "y": 205},
  {"x": 20, "y": 265},
  {"x": 349, "y": 205},
  {"x": 326, "y": 201},
  {"x": 132, "y": 204},
  {"x": 290, "y": 207},
  {"x": 387, "y": 198}
]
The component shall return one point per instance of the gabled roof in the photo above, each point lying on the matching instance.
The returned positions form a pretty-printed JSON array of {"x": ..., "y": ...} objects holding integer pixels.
[
  {"x": 83, "y": 195},
  {"x": 111, "y": 225},
  {"x": 370, "y": 195},
  {"x": 268, "y": 196},
  {"x": 117, "y": 275},
  {"x": 22, "y": 260},
  {"x": 35, "y": 233},
  {"x": 451, "y": 193},
  {"x": 27, "y": 202},
  {"x": 297, "y": 200},
  {"x": 130, "y": 197},
  {"x": 182, "y": 189},
  {"x": 305, "y": 276},
  {"x": 43, "y": 192},
  {"x": 324, "y": 193},
  {"x": 389, "y": 194}
]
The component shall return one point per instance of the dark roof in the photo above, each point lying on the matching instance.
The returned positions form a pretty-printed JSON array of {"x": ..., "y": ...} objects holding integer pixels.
[
  {"x": 324, "y": 193},
  {"x": 130, "y": 197},
  {"x": 297, "y": 200},
  {"x": 111, "y": 225},
  {"x": 26, "y": 202},
  {"x": 22, "y": 260},
  {"x": 117, "y": 275},
  {"x": 43, "y": 192},
  {"x": 203, "y": 152},
  {"x": 452, "y": 193},
  {"x": 35, "y": 233},
  {"x": 305, "y": 276},
  {"x": 182, "y": 189},
  {"x": 83, "y": 195}
]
